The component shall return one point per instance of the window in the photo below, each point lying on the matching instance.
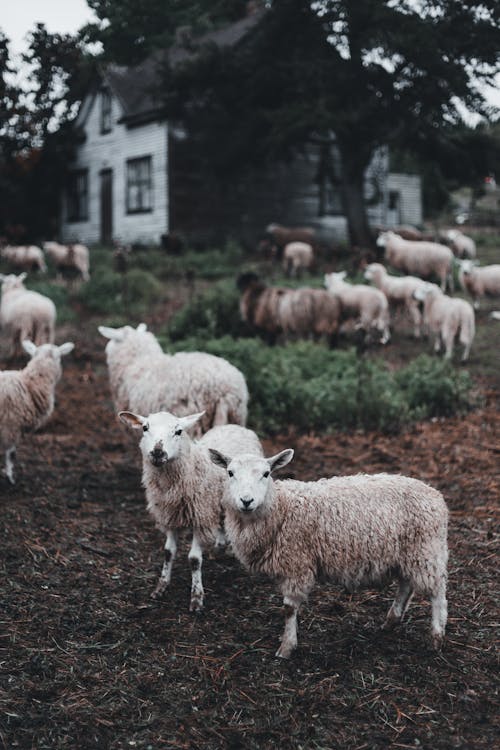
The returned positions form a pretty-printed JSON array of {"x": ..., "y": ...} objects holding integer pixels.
[
  {"x": 77, "y": 196},
  {"x": 393, "y": 200},
  {"x": 105, "y": 111},
  {"x": 139, "y": 185}
]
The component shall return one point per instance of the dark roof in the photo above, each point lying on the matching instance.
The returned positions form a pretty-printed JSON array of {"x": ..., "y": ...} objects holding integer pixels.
[{"x": 136, "y": 87}]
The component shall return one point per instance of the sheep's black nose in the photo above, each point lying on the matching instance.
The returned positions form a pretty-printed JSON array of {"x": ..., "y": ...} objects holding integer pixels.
[
  {"x": 246, "y": 503},
  {"x": 158, "y": 456}
]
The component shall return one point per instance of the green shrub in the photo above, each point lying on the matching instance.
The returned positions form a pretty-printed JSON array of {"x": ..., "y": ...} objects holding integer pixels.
[
  {"x": 110, "y": 293},
  {"x": 213, "y": 314},
  {"x": 309, "y": 387}
]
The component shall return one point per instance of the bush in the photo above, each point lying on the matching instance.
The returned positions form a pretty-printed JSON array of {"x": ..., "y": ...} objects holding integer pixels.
[
  {"x": 310, "y": 387},
  {"x": 212, "y": 314},
  {"x": 110, "y": 293}
]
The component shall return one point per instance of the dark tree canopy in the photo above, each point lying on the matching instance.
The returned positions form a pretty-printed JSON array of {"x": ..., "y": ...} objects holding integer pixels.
[{"x": 373, "y": 72}]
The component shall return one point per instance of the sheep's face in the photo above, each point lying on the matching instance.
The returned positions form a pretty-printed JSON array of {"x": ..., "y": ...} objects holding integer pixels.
[
  {"x": 11, "y": 281},
  {"x": 163, "y": 435},
  {"x": 47, "y": 351},
  {"x": 466, "y": 266},
  {"x": 333, "y": 280},
  {"x": 118, "y": 335},
  {"x": 422, "y": 292},
  {"x": 382, "y": 239},
  {"x": 249, "y": 478}
]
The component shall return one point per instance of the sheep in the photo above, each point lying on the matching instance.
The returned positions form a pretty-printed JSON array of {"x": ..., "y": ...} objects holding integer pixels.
[
  {"x": 183, "y": 487},
  {"x": 353, "y": 530},
  {"x": 297, "y": 256},
  {"x": 461, "y": 245},
  {"x": 29, "y": 257},
  {"x": 363, "y": 302},
  {"x": 423, "y": 259},
  {"x": 495, "y": 314},
  {"x": 144, "y": 379},
  {"x": 25, "y": 314},
  {"x": 74, "y": 257},
  {"x": 446, "y": 317},
  {"x": 27, "y": 396},
  {"x": 273, "y": 311},
  {"x": 479, "y": 281},
  {"x": 398, "y": 290},
  {"x": 278, "y": 236}
]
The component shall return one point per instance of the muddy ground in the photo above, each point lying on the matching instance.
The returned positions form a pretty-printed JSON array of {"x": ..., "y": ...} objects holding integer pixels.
[{"x": 89, "y": 661}]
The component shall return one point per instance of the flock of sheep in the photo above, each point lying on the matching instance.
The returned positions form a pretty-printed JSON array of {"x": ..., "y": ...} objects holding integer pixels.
[
  {"x": 204, "y": 471},
  {"x": 72, "y": 259}
]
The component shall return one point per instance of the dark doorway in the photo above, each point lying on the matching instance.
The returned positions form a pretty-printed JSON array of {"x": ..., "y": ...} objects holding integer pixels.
[{"x": 106, "y": 206}]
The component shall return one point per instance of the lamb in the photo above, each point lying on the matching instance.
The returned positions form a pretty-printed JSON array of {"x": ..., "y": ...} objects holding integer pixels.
[
  {"x": 273, "y": 311},
  {"x": 28, "y": 257},
  {"x": 25, "y": 314},
  {"x": 27, "y": 396},
  {"x": 479, "y": 281},
  {"x": 297, "y": 256},
  {"x": 183, "y": 487},
  {"x": 447, "y": 317},
  {"x": 363, "y": 302},
  {"x": 354, "y": 530},
  {"x": 144, "y": 379},
  {"x": 461, "y": 245},
  {"x": 73, "y": 257},
  {"x": 423, "y": 259},
  {"x": 398, "y": 290}
]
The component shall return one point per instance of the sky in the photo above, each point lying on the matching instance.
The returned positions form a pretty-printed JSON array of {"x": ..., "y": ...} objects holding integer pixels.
[{"x": 18, "y": 17}]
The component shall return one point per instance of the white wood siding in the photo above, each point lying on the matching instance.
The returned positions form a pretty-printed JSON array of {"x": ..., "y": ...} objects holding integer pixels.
[
  {"x": 409, "y": 187},
  {"x": 111, "y": 151}
]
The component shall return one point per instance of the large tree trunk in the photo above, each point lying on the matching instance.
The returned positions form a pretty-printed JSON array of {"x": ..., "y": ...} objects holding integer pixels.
[{"x": 353, "y": 199}]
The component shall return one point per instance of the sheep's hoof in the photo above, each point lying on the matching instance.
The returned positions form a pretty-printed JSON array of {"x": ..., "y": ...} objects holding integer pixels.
[
  {"x": 196, "y": 605},
  {"x": 285, "y": 651},
  {"x": 159, "y": 591},
  {"x": 437, "y": 641}
]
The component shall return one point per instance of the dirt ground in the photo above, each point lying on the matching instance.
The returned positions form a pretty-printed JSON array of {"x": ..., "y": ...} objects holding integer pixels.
[{"x": 89, "y": 661}]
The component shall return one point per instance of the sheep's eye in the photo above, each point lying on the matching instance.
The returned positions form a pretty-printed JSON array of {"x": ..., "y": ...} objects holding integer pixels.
[
  {"x": 178, "y": 431},
  {"x": 145, "y": 427},
  {"x": 230, "y": 473},
  {"x": 266, "y": 474}
]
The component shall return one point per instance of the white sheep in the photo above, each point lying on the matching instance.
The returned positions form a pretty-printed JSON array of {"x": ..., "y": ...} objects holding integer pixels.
[
  {"x": 144, "y": 379},
  {"x": 423, "y": 259},
  {"x": 29, "y": 257},
  {"x": 297, "y": 257},
  {"x": 69, "y": 257},
  {"x": 479, "y": 281},
  {"x": 398, "y": 290},
  {"x": 25, "y": 314},
  {"x": 361, "y": 301},
  {"x": 183, "y": 487},
  {"x": 446, "y": 317},
  {"x": 27, "y": 396},
  {"x": 495, "y": 314},
  {"x": 355, "y": 530},
  {"x": 462, "y": 245}
]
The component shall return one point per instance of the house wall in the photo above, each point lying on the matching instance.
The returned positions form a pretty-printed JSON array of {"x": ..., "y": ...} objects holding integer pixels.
[
  {"x": 111, "y": 151},
  {"x": 409, "y": 187}
]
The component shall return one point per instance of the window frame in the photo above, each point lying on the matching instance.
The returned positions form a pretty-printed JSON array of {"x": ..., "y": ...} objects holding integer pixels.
[
  {"x": 141, "y": 183},
  {"x": 106, "y": 111},
  {"x": 77, "y": 197}
]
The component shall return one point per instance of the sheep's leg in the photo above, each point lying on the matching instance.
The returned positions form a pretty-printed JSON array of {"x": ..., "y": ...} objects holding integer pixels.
[
  {"x": 221, "y": 415},
  {"x": 416, "y": 318},
  {"x": 399, "y": 605},
  {"x": 439, "y": 614},
  {"x": 476, "y": 303},
  {"x": 195, "y": 559},
  {"x": 166, "y": 571},
  {"x": 289, "y": 637},
  {"x": 10, "y": 455},
  {"x": 437, "y": 343}
]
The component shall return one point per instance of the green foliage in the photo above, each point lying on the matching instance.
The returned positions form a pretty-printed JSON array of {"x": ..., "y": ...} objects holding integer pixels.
[
  {"x": 110, "y": 293},
  {"x": 213, "y": 314},
  {"x": 310, "y": 387}
]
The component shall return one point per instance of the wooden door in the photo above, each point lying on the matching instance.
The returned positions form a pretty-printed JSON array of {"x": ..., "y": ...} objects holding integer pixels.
[{"x": 106, "y": 200}]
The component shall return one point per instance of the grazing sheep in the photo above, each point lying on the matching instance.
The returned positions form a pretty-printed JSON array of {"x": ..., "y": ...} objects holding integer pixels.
[
  {"x": 446, "y": 317},
  {"x": 297, "y": 257},
  {"x": 423, "y": 259},
  {"x": 183, "y": 487},
  {"x": 69, "y": 258},
  {"x": 355, "y": 530},
  {"x": 25, "y": 314},
  {"x": 279, "y": 236},
  {"x": 144, "y": 379},
  {"x": 28, "y": 257},
  {"x": 495, "y": 314},
  {"x": 462, "y": 245},
  {"x": 272, "y": 311},
  {"x": 398, "y": 290},
  {"x": 27, "y": 396},
  {"x": 479, "y": 281},
  {"x": 360, "y": 301}
]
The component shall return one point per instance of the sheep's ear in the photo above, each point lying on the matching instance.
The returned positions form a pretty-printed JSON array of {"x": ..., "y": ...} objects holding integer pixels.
[
  {"x": 132, "y": 420},
  {"x": 219, "y": 459},
  {"x": 22, "y": 276},
  {"x": 280, "y": 459},
  {"x": 141, "y": 328},
  {"x": 66, "y": 348},
  {"x": 190, "y": 420},
  {"x": 29, "y": 347},
  {"x": 114, "y": 334},
  {"x": 342, "y": 274}
]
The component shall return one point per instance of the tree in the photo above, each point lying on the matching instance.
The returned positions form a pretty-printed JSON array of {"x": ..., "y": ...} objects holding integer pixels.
[{"x": 372, "y": 72}]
